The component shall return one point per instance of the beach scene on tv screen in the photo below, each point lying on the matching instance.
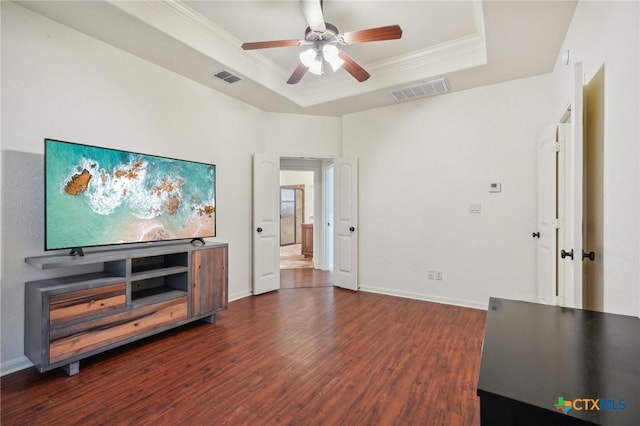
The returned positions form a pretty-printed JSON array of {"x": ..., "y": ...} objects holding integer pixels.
[{"x": 98, "y": 196}]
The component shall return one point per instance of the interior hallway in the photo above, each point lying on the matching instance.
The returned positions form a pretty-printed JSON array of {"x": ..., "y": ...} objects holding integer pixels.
[{"x": 296, "y": 271}]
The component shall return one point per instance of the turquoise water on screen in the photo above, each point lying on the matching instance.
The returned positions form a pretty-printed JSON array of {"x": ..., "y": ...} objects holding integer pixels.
[{"x": 129, "y": 197}]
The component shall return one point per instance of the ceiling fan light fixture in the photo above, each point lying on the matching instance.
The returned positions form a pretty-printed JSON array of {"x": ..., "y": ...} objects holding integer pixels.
[
  {"x": 308, "y": 57},
  {"x": 312, "y": 59},
  {"x": 330, "y": 54},
  {"x": 335, "y": 63},
  {"x": 316, "y": 67},
  {"x": 324, "y": 37}
]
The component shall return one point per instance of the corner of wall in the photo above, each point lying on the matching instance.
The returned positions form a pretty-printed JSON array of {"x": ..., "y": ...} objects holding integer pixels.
[{"x": 13, "y": 365}]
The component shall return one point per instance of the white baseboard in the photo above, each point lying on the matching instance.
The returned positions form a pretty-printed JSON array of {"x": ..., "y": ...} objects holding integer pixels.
[
  {"x": 427, "y": 297},
  {"x": 239, "y": 295},
  {"x": 14, "y": 365}
]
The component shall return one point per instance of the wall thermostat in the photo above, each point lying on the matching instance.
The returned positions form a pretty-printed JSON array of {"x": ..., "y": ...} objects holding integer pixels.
[{"x": 495, "y": 187}]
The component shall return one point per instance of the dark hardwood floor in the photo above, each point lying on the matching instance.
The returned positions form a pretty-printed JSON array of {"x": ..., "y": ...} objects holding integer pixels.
[
  {"x": 303, "y": 278},
  {"x": 296, "y": 356}
]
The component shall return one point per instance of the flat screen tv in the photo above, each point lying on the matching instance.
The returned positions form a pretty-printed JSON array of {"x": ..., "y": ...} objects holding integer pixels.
[{"x": 98, "y": 196}]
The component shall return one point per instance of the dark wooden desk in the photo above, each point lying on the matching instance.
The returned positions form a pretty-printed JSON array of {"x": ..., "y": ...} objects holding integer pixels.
[{"x": 533, "y": 354}]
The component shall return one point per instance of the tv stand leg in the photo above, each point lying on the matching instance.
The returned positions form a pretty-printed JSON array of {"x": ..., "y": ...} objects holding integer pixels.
[
  {"x": 211, "y": 319},
  {"x": 72, "y": 368},
  {"x": 200, "y": 240}
]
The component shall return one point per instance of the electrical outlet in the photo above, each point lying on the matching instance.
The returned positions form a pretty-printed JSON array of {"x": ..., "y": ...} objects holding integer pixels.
[
  {"x": 439, "y": 275},
  {"x": 495, "y": 187},
  {"x": 431, "y": 275}
]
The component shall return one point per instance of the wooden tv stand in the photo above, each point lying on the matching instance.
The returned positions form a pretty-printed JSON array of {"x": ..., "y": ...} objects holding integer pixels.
[{"x": 114, "y": 297}]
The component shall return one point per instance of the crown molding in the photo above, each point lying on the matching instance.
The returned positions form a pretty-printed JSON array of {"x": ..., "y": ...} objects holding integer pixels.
[{"x": 177, "y": 20}]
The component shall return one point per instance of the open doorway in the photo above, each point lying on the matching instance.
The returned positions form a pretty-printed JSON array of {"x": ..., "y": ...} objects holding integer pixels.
[
  {"x": 303, "y": 225},
  {"x": 593, "y": 201},
  {"x": 344, "y": 223},
  {"x": 296, "y": 219}
]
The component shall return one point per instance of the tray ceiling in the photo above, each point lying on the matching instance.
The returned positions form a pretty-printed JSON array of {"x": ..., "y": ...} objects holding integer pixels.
[{"x": 470, "y": 43}]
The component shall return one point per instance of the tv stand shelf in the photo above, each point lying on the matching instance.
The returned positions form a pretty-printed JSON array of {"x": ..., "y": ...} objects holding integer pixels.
[{"x": 136, "y": 292}]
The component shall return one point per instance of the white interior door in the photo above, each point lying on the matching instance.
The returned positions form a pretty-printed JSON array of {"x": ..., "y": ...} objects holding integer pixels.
[
  {"x": 564, "y": 274},
  {"x": 577, "y": 132},
  {"x": 266, "y": 222},
  {"x": 546, "y": 218},
  {"x": 571, "y": 133},
  {"x": 345, "y": 251}
]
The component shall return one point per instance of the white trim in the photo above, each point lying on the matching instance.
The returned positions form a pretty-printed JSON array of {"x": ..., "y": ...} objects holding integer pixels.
[
  {"x": 327, "y": 215},
  {"x": 314, "y": 165},
  {"x": 14, "y": 365},
  {"x": 426, "y": 297},
  {"x": 304, "y": 157},
  {"x": 240, "y": 295}
]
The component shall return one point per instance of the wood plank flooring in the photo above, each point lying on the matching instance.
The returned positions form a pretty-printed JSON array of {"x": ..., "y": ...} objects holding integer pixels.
[
  {"x": 307, "y": 356},
  {"x": 303, "y": 278},
  {"x": 291, "y": 257}
]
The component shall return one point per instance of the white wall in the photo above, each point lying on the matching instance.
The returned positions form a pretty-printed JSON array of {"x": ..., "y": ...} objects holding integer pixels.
[
  {"x": 422, "y": 164},
  {"x": 59, "y": 83},
  {"x": 309, "y": 136},
  {"x": 607, "y": 33}
]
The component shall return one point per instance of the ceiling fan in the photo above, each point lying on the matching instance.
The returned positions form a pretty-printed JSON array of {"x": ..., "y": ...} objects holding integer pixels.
[{"x": 322, "y": 39}]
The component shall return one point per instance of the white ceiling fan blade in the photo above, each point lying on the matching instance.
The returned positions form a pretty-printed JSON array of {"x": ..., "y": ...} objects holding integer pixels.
[{"x": 312, "y": 11}]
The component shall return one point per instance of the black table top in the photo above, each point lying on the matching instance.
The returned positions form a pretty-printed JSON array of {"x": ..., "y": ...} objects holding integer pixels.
[{"x": 537, "y": 353}]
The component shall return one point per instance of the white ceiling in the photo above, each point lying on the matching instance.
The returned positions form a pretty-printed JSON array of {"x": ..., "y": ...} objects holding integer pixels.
[{"x": 470, "y": 43}]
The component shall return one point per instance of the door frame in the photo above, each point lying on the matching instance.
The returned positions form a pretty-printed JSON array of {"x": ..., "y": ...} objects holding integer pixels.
[
  {"x": 313, "y": 164},
  {"x": 297, "y": 162},
  {"x": 328, "y": 177}
]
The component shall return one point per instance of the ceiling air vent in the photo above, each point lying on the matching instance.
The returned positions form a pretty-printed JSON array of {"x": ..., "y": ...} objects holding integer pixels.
[
  {"x": 227, "y": 76},
  {"x": 420, "y": 90}
]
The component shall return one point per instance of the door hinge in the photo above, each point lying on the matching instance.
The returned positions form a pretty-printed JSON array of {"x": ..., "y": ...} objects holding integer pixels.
[
  {"x": 558, "y": 223},
  {"x": 558, "y": 146}
]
